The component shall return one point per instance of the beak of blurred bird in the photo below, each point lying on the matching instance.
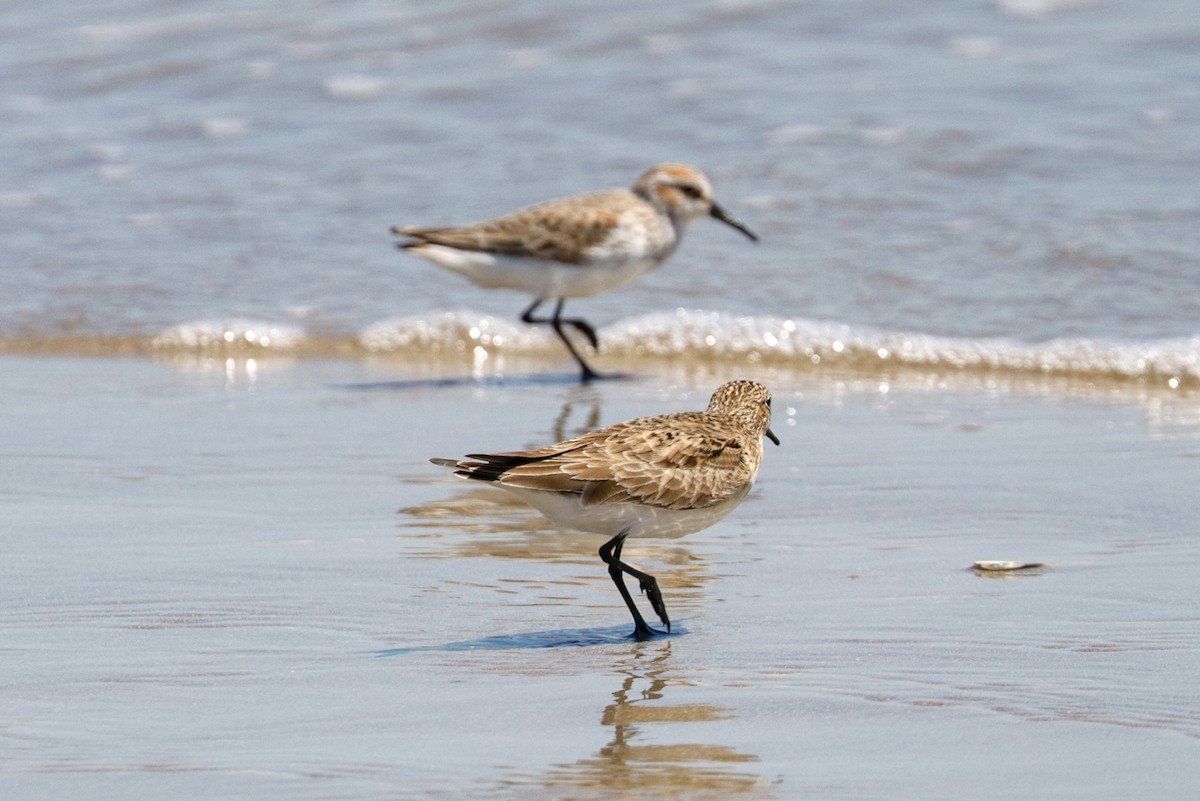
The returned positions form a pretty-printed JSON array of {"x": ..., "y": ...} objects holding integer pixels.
[{"x": 727, "y": 218}]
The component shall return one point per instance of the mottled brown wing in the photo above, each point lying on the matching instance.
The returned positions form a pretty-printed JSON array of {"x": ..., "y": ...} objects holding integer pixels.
[
  {"x": 559, "y": 230},
  {"x": 682, "y": 465}
]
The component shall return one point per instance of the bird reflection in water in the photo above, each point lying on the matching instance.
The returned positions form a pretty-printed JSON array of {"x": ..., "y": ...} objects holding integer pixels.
[{"x": 643, "y": 755}]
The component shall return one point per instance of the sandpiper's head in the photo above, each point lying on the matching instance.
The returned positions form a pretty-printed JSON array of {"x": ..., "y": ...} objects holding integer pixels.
[
  {"x": 684, "y": 194},
  {"x": 749, "y": 402}
]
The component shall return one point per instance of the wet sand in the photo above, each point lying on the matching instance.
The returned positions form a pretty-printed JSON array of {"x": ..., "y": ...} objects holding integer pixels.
[{"x": 244, "y": 580}]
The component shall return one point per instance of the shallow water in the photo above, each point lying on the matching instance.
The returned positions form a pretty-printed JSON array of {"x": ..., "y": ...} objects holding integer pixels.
[
  {"x": 259, "y": 588},
  {"x": 1014, "y": 176}
]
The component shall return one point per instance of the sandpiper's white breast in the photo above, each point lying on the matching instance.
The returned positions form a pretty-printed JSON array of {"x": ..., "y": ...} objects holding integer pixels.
[{"x": 642, "y": 520}]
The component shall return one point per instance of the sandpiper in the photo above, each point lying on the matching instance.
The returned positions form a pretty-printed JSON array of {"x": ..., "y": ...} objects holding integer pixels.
[
  {"x": 576, "y": 246},
  {"x": 663, "y": 476}
]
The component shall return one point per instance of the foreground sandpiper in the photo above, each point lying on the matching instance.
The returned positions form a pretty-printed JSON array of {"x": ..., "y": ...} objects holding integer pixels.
[
  {"x": 576, "y": 246},
  {"x": 663, "y": 476}
]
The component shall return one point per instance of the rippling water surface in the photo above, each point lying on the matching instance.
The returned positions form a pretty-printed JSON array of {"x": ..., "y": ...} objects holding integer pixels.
[
  {"x": 1006, "y": 183},
  {"x": 259, "y": 588}
]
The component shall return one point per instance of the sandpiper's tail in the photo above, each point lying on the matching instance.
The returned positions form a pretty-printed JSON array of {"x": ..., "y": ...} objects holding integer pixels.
[
  {"x": 492, "y": 466},
  {"x": 413, "y": 232}
]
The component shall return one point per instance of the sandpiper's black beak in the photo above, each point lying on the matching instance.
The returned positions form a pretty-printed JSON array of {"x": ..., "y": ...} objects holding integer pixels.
[
  {"x": 727, "y": 218},
  {"x": 771, "y": 436}
]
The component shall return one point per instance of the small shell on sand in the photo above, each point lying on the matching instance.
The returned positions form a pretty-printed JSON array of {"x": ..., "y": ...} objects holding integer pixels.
[{"x": 1000, "y": 566}]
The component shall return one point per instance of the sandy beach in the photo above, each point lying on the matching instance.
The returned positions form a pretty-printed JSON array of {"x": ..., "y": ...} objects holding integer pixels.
[{"x": 249, "y": 583}]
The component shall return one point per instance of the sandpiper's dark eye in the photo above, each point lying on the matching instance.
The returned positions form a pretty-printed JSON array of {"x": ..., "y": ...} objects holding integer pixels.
[{"x": 690, "y": 191}]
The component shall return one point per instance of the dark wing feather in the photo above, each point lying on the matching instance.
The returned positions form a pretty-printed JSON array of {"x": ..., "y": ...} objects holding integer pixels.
[
  {"x": 687, "y": 463},
  {"x": 559, "y": 230}
]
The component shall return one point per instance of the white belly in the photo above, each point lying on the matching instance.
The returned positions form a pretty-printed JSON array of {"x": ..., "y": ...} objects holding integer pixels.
[
  {"x": 610, "y": 519},
  {"x": 539, "y": 277}
]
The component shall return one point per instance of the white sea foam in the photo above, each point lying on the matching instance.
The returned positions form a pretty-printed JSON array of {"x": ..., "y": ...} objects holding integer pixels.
[
  {"x": 229, "y": 336},
  {"x": 452, "y": 332},
  {"x": 1036, "y": 9},
  {"x": 704, "y": 337},
  {"x": 780, "y": 341},
  {"x": 224, "y": 127},
  {"x": 355, "y": 87}
]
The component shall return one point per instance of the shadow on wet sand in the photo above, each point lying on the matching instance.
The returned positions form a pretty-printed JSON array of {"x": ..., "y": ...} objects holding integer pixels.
[
  {"x": 557, "y": 638},
  {"x": 448, "y": 382}
]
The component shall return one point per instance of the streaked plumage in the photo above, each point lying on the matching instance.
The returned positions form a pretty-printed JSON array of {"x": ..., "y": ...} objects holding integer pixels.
[
  {"x": 576, "y": 246},
  {"x": 664, "y": 476}
]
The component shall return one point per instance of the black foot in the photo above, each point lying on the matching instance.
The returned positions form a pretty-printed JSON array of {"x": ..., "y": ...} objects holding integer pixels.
[
  {"x": 610, "y": 552},
  {"x": 642, "y": 632},
  {"x": 649, "y": 586}
]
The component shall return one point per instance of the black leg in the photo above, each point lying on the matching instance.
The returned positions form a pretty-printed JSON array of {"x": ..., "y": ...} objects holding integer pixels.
[
  {"x": 583, "y": 326},
  {"x": 610, "y": 552},
  {"x": 556, "y": 321}
]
